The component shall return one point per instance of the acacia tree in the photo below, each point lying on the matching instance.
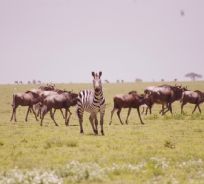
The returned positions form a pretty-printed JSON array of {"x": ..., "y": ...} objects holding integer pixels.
[{"x": 193, "y": 76}]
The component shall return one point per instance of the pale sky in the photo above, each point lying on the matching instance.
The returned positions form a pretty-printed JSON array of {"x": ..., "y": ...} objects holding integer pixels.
[{"x": 64, "y": 40}]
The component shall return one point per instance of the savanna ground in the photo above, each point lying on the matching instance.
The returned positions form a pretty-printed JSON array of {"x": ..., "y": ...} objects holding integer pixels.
[{"x": 167, "y": 149}]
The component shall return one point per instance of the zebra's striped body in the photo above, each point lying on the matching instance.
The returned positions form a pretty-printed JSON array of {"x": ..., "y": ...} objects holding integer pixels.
[{"x": 92, "y": 101}]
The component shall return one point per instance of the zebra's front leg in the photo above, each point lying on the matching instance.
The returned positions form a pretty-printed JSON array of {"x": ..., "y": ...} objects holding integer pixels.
[
  {"x": 96, "y": 124},
  {"x": 91, "y": 119},
  {"x": 101, "y": 121}
]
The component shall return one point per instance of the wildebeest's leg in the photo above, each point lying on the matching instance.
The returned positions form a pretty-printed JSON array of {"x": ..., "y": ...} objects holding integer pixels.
[
  {"x": 43, "y": 111},
  {"x": 182, "y": 105},
  {"x": 170, "y": 108},
  {"x": 80, "y": 116},
  {"x": 53, "y": 112},
  {"x": 150, "y": 109},
  {"x": 129, "y": 110},
  {"x": 26, "y": 119},
  {"x": 199, "y": 108},
  {"x": 67, "y": 122},
  {"x": 52, "y": 116},
  {"x": 118, "y": 113},
  {"x": 37, "y": 108},
  {"x": 13, "y": 114},
  {"x": 138, "y": 111},
  {"x": 101, "y": 121},
  {"x": 196, "y": 106},
  {"x": 146, "y": 110},
  {"x": 143, "y": 110},
  {"x": 112, "y": 112},
  {"x": 34, "y": 113},
  {"x": 162, "y": 110},
  {"x": 91, "y": 119},
  {"x": 63, "y": 114}
]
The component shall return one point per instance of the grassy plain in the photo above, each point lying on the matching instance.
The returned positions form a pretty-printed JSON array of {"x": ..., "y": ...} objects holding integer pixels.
[{"x": 167, "y": 149}]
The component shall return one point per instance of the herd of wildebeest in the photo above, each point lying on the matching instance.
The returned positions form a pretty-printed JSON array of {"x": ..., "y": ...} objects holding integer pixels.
[{"x": 46, "y": 98}]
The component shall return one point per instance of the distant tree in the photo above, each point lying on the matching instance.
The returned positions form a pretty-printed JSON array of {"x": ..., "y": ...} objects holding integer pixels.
[
  {"x": 20, "y": 82},
  {"x": 182, "y": 13},
  {"x": 29, "y": 82},
  {"x": 175, "y": 80},
  {"x": 122, "y": 81},
  {"x": 193, "y": 76},
  {"x": 162, "y": 80},
  {"x": 117, "y": 81},
  {"x": 107, "y": 81},
  {"x": 34, "y": 81},
  {"x": 15, "y": 82},
  {"x": 39, "y": 82},
  {"x": 138, "y": 80}
]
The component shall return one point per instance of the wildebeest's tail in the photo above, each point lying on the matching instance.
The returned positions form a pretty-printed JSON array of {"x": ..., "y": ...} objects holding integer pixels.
[{"x": 13, "y": 101}]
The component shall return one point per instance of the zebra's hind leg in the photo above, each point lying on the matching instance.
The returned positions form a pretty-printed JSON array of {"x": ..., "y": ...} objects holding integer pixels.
[{"x": 80, "y": 116}]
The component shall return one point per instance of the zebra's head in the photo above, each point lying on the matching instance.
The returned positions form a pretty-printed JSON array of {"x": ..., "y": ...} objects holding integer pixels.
[{"x": 97, "y": 81}]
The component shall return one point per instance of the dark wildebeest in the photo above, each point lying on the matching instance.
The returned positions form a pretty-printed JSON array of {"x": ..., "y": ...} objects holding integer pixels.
[
  {"x": 165, "y": 95},
  {"x": 49, "y": 87},
  {"x": 193, "y": 97},
  {"x": 130, "y": 100},
  {"x": 28, "y": 98},
  {"x": 58, "y": 101},
  {"x": 43, "y": 95}
]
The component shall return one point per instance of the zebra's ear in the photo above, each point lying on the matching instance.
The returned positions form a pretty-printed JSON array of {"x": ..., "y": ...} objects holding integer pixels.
[
  {"x": 100, "y": 73},
  {"x": 93, "y": 74}
]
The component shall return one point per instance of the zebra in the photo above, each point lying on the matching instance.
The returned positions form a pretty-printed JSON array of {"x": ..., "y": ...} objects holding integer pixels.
[{"x": 92, "y": 101}]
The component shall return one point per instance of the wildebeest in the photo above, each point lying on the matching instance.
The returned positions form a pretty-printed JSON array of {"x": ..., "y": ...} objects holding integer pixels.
[
  {"x": 193, "y": 97},
  {"x": 165, "y": 95},
  {"x": 130, "y": 100},
  {"x": 43, "y": 88},
  {"x": 28, "y": 98},
  {"x": 43, "y": 95},
  {"x": 58, "y": 101}
]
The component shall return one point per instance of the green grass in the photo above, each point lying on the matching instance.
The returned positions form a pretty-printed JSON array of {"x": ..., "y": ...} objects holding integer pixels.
[{"x": 167, "y": 149}]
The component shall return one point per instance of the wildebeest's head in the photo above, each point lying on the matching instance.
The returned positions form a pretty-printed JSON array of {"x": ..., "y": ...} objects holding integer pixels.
[
  {"x": 97, "y": 81},
  {"x": 73, "y": 97}
]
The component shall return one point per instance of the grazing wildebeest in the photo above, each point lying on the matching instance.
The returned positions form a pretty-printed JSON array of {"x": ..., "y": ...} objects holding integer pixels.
[
  {"x": 28, "y": 98},
  {"x": 58, "y": 101},
  {"x": 49, "y": 87},
  {"x": 130, "y": 100},
  {"x": 165, "y": 95},
  {"x": 43, "y": 95},
  {"x": 43, "y": 88},
  {"x": 193, "y": 97},
  {"x": 93, "y": 102}
]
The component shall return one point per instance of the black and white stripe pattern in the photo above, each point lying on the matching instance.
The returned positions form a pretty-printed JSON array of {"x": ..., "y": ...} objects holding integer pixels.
[{"x": 92, "y": 101}]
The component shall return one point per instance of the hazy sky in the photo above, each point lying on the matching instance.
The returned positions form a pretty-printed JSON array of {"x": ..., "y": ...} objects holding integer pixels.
[{"x": 64, "y": 40}]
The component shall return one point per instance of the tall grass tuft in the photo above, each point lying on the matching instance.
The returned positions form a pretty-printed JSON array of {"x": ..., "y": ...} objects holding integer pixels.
[{"x": 77, "y": 172}]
